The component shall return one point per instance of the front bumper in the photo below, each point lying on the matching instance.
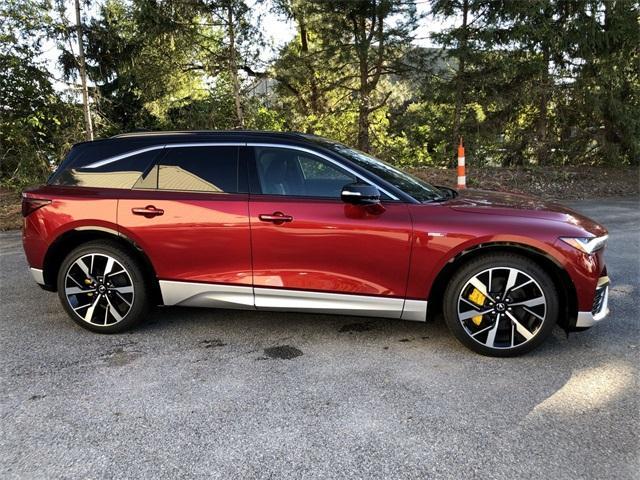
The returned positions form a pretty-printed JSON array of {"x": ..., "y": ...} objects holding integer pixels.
[{"x": 600, "y": 306}]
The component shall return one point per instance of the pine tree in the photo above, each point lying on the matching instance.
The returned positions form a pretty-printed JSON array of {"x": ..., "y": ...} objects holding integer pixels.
[{"x": 368, "y": 39}]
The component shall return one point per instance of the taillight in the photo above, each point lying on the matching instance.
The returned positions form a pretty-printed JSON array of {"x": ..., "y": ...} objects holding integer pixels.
[{"x": 30, "y": 205}]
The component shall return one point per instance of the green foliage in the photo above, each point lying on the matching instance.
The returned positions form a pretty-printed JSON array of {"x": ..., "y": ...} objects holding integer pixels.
[
  {"x": 557, "y": 80},
  {"x": 37, "y": 124},
  {"x": 346, "y": 49},
  {"x": 146, "y": 59},
  {"x": 529, "y": 83},
  {"x": 34, "y": 124}
]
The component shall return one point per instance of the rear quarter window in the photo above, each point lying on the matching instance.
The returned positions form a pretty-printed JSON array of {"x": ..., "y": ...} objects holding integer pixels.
[{"x": 122, "y": 173}]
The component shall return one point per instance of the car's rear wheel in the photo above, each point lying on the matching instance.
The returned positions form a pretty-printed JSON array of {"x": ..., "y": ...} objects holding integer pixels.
[
  {"x": 102, "y": 287},
  {"x": 501, "y": 305}
]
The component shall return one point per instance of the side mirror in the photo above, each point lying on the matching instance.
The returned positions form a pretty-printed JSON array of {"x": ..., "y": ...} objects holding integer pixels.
[{"x": 360, "y": 194}]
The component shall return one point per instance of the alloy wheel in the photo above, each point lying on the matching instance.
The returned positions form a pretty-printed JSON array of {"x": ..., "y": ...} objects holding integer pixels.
[
  {"x": 99, "y": 289},
  {"x": 502, "y": 307}
]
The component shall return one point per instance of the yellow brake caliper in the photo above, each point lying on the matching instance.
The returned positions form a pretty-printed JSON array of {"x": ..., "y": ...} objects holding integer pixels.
[{"x": 478, "y": 298}]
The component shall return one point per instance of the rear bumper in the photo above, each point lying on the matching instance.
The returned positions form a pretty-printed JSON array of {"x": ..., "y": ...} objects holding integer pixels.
[
  {"x": 600, "y": 306},
  {"x": 38, "y": 275}
]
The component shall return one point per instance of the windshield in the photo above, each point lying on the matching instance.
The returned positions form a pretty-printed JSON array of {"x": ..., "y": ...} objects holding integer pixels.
[{"x": 418, "y": 189}]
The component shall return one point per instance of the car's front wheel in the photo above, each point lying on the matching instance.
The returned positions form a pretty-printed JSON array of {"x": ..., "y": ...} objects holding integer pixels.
[
  {"x": 501, "y": 305},
  {"x": 102, "y": 287}
]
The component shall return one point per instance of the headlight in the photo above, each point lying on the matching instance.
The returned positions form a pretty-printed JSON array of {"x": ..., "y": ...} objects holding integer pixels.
[{"x": 585, "y": 244}]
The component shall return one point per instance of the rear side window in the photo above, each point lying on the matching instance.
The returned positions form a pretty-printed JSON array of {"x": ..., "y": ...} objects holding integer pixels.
[
  {"x": 120, "y": 173},
  {"x": 199, "y": 169}
]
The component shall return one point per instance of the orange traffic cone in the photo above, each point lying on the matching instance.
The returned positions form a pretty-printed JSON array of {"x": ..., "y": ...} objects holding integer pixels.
[{"x": 462, "y": 177}]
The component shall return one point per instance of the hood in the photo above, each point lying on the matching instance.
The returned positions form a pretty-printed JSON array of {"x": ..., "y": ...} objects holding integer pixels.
[{"x": 499, "y": 203}]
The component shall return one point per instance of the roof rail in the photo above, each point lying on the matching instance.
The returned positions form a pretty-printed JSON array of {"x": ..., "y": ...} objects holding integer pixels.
[{"x": 145, "y": 133}]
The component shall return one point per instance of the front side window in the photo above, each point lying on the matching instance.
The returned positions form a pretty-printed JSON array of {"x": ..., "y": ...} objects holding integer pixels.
[
  {"x": 199, "y": 169},
  {"x": 283, "y": 171}
]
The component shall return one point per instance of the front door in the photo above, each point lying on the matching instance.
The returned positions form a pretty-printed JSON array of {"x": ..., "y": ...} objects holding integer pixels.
[
  {"x": 190, "y": 215},
  {"x": 313, "y": 252}
]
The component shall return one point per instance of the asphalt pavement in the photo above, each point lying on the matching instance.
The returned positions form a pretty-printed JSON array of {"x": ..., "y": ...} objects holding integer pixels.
[{"x": 198, "y": 393}]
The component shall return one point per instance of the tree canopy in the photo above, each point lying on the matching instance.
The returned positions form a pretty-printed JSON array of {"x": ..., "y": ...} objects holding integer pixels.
[{"x": 541, "y": 82}]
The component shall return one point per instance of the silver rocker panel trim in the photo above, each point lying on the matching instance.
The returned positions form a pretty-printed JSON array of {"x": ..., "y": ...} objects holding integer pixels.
[
  {"x": 414, "y": 310},
  {"x": 190, "y": 294},
  {"x": 193, "y": 294},
  {"x": 38, "y": 275},
  {"x": 320, "y": 302}
]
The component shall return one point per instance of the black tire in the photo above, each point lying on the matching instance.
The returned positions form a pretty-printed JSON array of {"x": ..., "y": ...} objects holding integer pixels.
[
  {"x": 138, "y": 304},
  {"x": 506, "y": 328}
]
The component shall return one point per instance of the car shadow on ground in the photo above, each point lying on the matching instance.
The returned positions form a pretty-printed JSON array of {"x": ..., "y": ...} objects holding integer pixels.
[{"x": 307, "y": 327}]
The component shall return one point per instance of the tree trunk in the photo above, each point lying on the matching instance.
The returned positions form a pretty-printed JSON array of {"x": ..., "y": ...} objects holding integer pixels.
[
  {"x": 614, "y": 140},
  {"x": 363, "y": 122},
  {"x": 83, "y": 76},
  {"x": 233, "y": 67},
  {"x": 365, "y": 88},
  {"x": 462, "y": 47},
  {"x": 363, "y": 105},
  {"x": 542, "y": 124},
  {"x": 304, "y": 47}
]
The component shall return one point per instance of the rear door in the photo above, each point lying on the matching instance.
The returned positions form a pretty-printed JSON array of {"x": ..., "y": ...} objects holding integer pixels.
[
  {"x": 189, "y": 213},
  {"x": 313, "y": 252}
]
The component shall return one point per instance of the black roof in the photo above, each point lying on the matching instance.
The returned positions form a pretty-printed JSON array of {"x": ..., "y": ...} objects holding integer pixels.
[
  {"x": 204, "y": 135},
  {"x": 126, "y": 141},
  {"x": 105, "y": 147}
]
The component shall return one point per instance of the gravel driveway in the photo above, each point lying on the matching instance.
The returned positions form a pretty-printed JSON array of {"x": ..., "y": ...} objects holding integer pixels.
[{"x": 232, "y": 394}]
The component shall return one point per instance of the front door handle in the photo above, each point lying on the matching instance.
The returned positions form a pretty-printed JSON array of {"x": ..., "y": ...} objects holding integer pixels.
[
  {"x": 149, "y": 211},
  {"x": 276, "y": 217}
]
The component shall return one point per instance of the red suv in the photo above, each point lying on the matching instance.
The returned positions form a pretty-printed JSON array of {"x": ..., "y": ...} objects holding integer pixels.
[{"x": 275, "y": 221}]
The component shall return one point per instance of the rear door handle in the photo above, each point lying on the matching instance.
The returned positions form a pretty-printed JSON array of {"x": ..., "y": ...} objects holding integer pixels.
[
  {"x": 276, "y": 217},
  {"x": 149, "y": 211}
]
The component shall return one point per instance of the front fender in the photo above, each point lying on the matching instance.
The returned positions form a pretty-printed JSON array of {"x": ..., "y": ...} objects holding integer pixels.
[
  {"x": 432, "y": 254},
  {"x": 443, "y": 235}
]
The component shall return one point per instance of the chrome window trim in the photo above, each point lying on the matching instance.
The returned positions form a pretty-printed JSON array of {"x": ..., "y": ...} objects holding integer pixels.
[
  {"x": 122, "y": 156},
  {"x": 205, "y": 144},
  {"x": 324, "y": 157}
]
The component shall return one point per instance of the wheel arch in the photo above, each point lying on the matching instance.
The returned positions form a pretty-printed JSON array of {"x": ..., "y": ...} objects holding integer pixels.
[
  {"x": 566, "y": 290},
  {"x": 71, "y": 239}
]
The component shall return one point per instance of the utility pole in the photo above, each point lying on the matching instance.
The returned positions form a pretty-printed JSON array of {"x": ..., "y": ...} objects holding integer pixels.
[{"x": 83, "y": 76}]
